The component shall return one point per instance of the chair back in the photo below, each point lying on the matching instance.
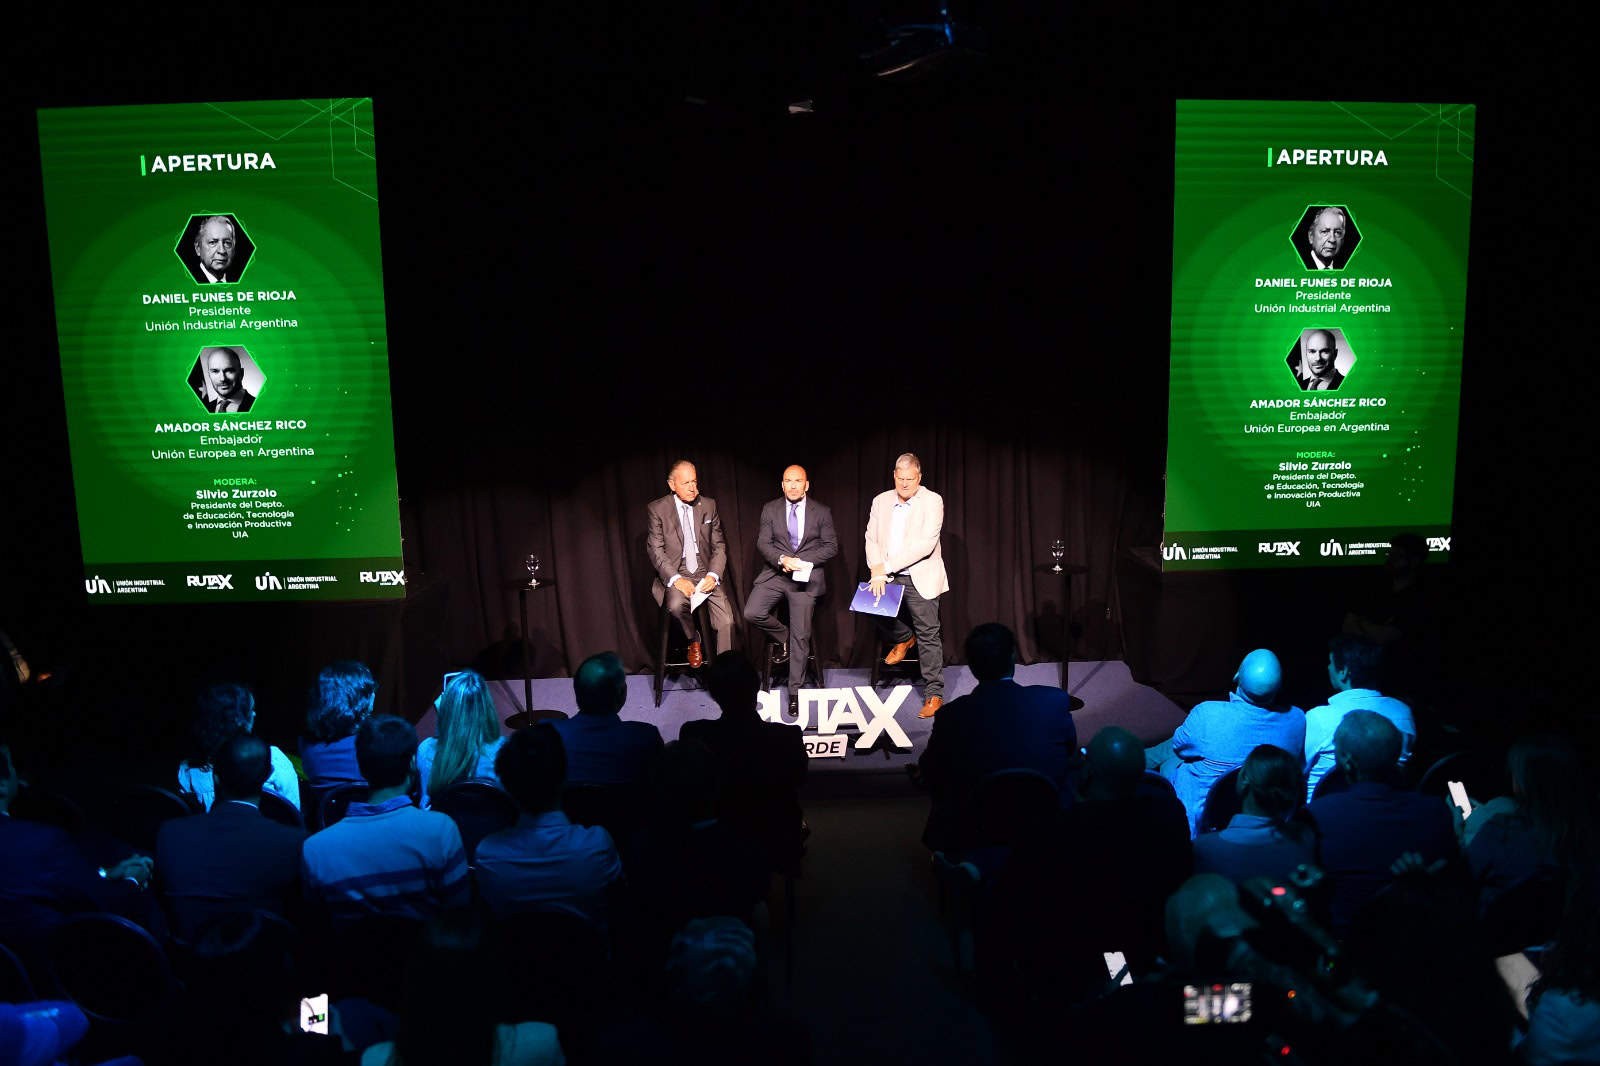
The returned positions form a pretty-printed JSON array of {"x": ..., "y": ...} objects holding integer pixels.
[
  {"x": 15, "y": 985},
  {"x": 135, "y": 813},
  {"x": 1483, "y": 773},
  {"x": 35, "y": 804},
  {"x": 1527, "y": 913},
  {"x": 616, "y": 808},
  {"x": 1332, "y": 781},
  {"x": 368, "y": 958},
  {"x": 523, "y": 719},
  {"x": 111, "y": 968},
  {"x": 1010, "y": 804},
  {"x": 336, "y": 801},
  {"x": 1153, "y": 786},
  {"x": 557, "y": 968},
  {"x": 1222, "y": 802},
  {"x": 275, "y": 808},
  {"x": 478, "y": 806}
]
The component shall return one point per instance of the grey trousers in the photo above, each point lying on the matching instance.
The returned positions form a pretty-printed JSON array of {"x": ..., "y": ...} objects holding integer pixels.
[{"x": 924, "y": 617}]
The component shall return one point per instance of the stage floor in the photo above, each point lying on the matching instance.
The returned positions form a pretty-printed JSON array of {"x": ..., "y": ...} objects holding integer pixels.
[{"x": 1109, "y": 693}]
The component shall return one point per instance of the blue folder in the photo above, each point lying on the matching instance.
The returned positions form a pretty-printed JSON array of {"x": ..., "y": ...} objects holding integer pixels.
[{"x": 888, "y": 605}]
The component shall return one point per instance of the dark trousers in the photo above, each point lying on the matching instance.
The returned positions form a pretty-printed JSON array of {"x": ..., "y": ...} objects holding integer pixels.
[
  {"x": 924, "y": 617},
  {"x": 677, "y": 605},
  {"x": 760, "y": 611}
]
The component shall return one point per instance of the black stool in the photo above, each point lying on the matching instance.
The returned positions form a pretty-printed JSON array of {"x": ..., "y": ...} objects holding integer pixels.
[
  {"x": 878, "y": 665},
  {"x": 663, "y": 664},
  {"x": 770, "y": 659}
]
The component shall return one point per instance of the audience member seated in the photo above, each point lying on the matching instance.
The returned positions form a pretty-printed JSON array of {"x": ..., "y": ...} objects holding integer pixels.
[
  {"x": 759, "y": 765},
  {"x": 44, "y": 877},
  {"x": 242, "y": 1004},
  {"x": 1219, "y": 735},
  {"x": 691, "y": 863},
  {"x": 1564, "y": 1006},
  {"x": 544, "y": 861},
  {"x": 468, "y": 739},
  {"x": 1000, "y": 725},
  {"x": 224, "y": 711},
  {"x": 343, "y": 699},
  {"x": 713, "y": 1014},
  {"x": 1363, "y": 830},
  {"x": 1096, "y": 882},
  {"x": 1262, "y": 841},
  {"x": 1355, "y": 667},
  {"x": 232, "y": 858},
  {"x": 601, "y": 748},
  {"x": 386, "y": 857},
  {"x": 448, "y": 1013},
  {"x": 1546, "y": 830},
  {"x": 1417, "y": 947}
]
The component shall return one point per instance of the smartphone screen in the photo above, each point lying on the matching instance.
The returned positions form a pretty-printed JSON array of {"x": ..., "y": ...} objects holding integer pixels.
[
  {"x": 314, "y": 1014},
  {"x": 1216, "y": 1004},
  {"x": 1458, "y": 796},
  {"x": 1117, "y": 968}
]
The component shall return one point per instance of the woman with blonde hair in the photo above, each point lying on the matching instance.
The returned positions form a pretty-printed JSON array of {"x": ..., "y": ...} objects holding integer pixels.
[{"x": 468, "y": 736}]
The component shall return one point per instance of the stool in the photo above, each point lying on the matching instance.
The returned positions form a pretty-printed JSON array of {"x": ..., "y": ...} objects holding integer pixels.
[
  {"x": 663, "y": 664},
  {"x": 877, "y": 661},
  {"x": 770, "y": 659}
]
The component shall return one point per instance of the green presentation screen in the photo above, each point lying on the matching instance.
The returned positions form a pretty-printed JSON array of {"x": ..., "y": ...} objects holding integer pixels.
[
  {"x": 1319, "y": 280},
  {"x": 219, "y": 302}
]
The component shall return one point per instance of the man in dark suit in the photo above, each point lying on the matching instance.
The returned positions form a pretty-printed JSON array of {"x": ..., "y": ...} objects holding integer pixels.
[
  {"x": 214, "y": 256},
  {"x": 220, "y": 382},
  {"x": 232, "y": 858},
  {"x": 1000, "y": 725},
  {"x": 1319, "y": 354},
  {"x": 44, "y": 877},
  {"x": 760, "y": 765},
  {"x": 686, "y": 548},
  {"x": 602, "y": 749},
  {"x": 1325, "y": 247},
  {"x": 796, "y": 539},
  {"x": 1362, "y": 830}
]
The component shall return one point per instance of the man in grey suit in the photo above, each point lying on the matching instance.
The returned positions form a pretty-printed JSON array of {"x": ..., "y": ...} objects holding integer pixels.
[
  {"x": 796, "y": 539},
  {"x": 686, "y": 548}
]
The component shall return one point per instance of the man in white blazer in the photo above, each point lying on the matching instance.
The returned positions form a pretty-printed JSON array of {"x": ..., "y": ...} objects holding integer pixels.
[{"x": 903, "y": 549}]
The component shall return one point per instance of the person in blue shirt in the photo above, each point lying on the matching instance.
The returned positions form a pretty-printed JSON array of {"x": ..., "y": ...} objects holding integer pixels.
[
  {"x": 468, "y": 739},
  {"x": 602, "y": 748},
  {"x": 1219, "y": 735},
  {"x": 345, "y": 695}
]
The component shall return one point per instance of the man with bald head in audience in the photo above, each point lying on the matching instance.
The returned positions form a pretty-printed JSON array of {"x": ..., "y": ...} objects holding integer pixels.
[
  {"x": 1364, "y": 828},
  {"x": 601, "y": 748},
  {"x": 231, "y": 858},
  {"x": 1219, "y": 735},
  {"x": 797, "y": 537},
  {"x": 1000, "y": 725}
]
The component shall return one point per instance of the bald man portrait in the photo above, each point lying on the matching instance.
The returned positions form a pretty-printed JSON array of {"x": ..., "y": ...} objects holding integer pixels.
[
  {"x": 797, "y": 537},
  {"x": 219, "y": 381},
  {"x": 1319, "y": 355},
  {"x": 685, "y": 545}
]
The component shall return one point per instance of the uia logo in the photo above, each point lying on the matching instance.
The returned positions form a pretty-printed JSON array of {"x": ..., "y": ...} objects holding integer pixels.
[
  {"x": 1171, "y": 552},
  {"x": 268, "y": 581},
  {"x": 95, "y": 585},
  {"x": 1330, "y": 547}
]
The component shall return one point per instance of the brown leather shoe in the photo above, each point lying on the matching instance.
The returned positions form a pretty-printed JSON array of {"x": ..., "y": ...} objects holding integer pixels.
[
  {"x": 697, "y": 658},
  {"x": 931, "y": 707},
  {"x": 898, "y": 652}
]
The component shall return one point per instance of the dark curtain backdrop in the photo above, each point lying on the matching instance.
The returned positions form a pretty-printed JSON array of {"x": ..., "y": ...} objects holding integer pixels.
[{"x": 1005, "y": 498}]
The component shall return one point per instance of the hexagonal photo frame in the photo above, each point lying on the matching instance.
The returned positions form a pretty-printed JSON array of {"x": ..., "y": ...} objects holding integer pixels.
[
  {"x": 226, "y": 379},
  {"x": 1325, "y": 237},
  {"x": 214, "y": 248},
  {"x": 1320, "y": 359}
]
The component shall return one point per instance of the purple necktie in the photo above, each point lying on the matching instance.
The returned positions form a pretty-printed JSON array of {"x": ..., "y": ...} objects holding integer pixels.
[{"x": 794, "y": 526}]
